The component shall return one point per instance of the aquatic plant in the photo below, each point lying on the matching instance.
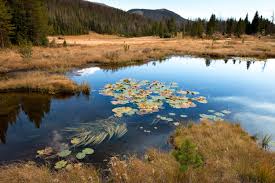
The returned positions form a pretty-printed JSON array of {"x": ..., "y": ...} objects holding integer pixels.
[
  {"x": 45, "y": 152},
  {"x": 265, "y": 142},
  {"x": 96, "y": 132},
  {"x": 148, "y": 97},
  {"x": 60, "y": 164},
  {"x": 64, "y": 153}
]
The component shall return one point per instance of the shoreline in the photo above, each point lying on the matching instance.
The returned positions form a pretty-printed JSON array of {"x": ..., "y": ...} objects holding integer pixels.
[{"x": 113, "y": 52}]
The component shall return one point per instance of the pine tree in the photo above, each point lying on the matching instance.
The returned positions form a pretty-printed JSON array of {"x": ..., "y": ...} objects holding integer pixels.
[
  {"x": 255, "y": 23},
  {"x": 211, "y": 25},
  {"x": 197, "y": 28},
  {"x": 240, "y": 28},
  {"x": 5, "y": 25},
  {"x": 230, "y": 26},
  {"x": 247, "y": 25},
  {"x": 172, "y": 26},
  {"x": 31, "y": 21}
]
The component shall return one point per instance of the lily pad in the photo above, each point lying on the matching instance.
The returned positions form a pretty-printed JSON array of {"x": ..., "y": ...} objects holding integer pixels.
[
  {"x": 211, "y": 111},
  {"x": 80, "y": 155},
  {"x": 226, "y": 112},
  {"x": 219, "y": 114},
  {"x": 60, "y": 164},
  {"x": 45, "y": 152},
  {"x": 169, "y": 119},
  {"x": 201, "y": 100},
  {"x": 88, "y": 151},
  {"x": 75, "y": 141},
  {"x": 183, "y": 116},
  {"x": 64, "y": 153},
  {"x": 176, "y": 123},
  {"x": 123, "y": 110}
]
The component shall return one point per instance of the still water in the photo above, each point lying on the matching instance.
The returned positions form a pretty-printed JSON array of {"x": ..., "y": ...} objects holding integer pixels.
[{"x": 29, "y": 122}]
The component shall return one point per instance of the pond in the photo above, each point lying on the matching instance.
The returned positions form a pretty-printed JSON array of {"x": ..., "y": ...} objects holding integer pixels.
[{"x": 242, "y": 91}]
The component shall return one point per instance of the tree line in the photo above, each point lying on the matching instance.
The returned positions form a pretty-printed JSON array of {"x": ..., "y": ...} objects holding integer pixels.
[
  {"x": 31, "y": 21},
  {"x": 229, "y": 27}
]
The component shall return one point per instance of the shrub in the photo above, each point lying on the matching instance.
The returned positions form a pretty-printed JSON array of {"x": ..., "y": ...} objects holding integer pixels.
[
  {"x": 188, "y": 156},
  {"x": 53, "y": 43},
  {"x": 25, "y": 49},
  {"x": 112, "y": 55},
  {"x": 65, "y": 43},
  {"x": 126, "y": 47}
]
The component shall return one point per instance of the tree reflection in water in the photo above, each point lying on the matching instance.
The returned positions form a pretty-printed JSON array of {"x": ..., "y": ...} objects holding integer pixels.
[{"x": 35, "y": 106}]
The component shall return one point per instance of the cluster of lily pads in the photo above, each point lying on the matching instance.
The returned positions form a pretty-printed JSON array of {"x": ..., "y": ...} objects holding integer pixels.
[
  {"x": 215, "y": 116},
  {"x": 148, "y": 97},
  {"x": 49, "y": 153}
]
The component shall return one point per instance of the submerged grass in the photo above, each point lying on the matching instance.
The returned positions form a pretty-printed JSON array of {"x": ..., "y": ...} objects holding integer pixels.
[{"x": 42, "y": 82}]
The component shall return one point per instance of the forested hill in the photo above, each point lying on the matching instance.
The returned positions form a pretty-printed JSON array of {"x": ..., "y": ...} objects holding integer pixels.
[
  {"x": 159, "y": 14},
  {"x": 79, "y": 17}
]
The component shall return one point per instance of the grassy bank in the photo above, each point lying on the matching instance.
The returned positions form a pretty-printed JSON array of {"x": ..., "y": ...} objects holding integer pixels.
[
  {"x": 112, "y": 50},
  {"x": 225, "y": 151},
  {"x": 41, "y": 82}
]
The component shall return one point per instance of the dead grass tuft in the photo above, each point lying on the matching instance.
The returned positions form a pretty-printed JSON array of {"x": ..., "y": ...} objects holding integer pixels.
[
  {"x": 42, "y": 82},
  {"x": 157, "y": 167},
  {"x": 31, "y": 173}
]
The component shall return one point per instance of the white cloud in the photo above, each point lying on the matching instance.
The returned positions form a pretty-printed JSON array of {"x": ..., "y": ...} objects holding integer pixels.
[
  {"x": 88, "y": 71},
  {"x": 256, "y": 123},
  {"x": 249, "y": 103}
]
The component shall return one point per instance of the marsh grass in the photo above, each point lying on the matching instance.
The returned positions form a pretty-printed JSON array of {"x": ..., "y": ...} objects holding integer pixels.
[
  {"x": 229, "y": 155},
  {"x": 42, "y": 82},
  {"x": 106, "y": 49},
  {"x": 32, "y": 173}
]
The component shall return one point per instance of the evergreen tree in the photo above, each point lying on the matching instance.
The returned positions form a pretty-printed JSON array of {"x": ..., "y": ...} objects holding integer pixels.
[
  {"x": 211, "y": 25},
  {"x": 5, "y": 25},
  {"x": 31, "y": 21},
  {"x": 247, "y": 25},
  {"x": 230, "y": 26},
  {"x": 172, "y": 26},
  {"x": 197, "y": 28},
  {"x": 240, "y": 28},
  {"x": 255, "y": 23}
]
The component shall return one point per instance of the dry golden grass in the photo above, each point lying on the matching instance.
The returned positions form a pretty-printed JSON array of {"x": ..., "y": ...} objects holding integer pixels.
[
  {"x": 106, "y": 49},
  {"x": 42, "y": 82},
  {"x": 159, "y": 167},
  {"x": 230, "y": 155},
  {"x": 31, "y": 173}
]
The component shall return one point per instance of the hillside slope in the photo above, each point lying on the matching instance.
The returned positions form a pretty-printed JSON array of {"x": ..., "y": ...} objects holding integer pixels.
[
  {"x": 79, "y": 17},
  {"x": 158, "y": 15}
]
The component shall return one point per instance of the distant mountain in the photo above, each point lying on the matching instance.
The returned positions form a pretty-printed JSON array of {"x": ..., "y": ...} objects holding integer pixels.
[{"x": 158, "y": 15}]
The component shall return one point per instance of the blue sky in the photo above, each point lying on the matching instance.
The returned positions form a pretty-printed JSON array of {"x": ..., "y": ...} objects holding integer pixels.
[{"x": 200, "y": 8}]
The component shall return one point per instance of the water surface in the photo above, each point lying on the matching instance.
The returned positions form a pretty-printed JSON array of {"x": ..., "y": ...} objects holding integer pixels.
[{"x": 29, "y": 122}]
